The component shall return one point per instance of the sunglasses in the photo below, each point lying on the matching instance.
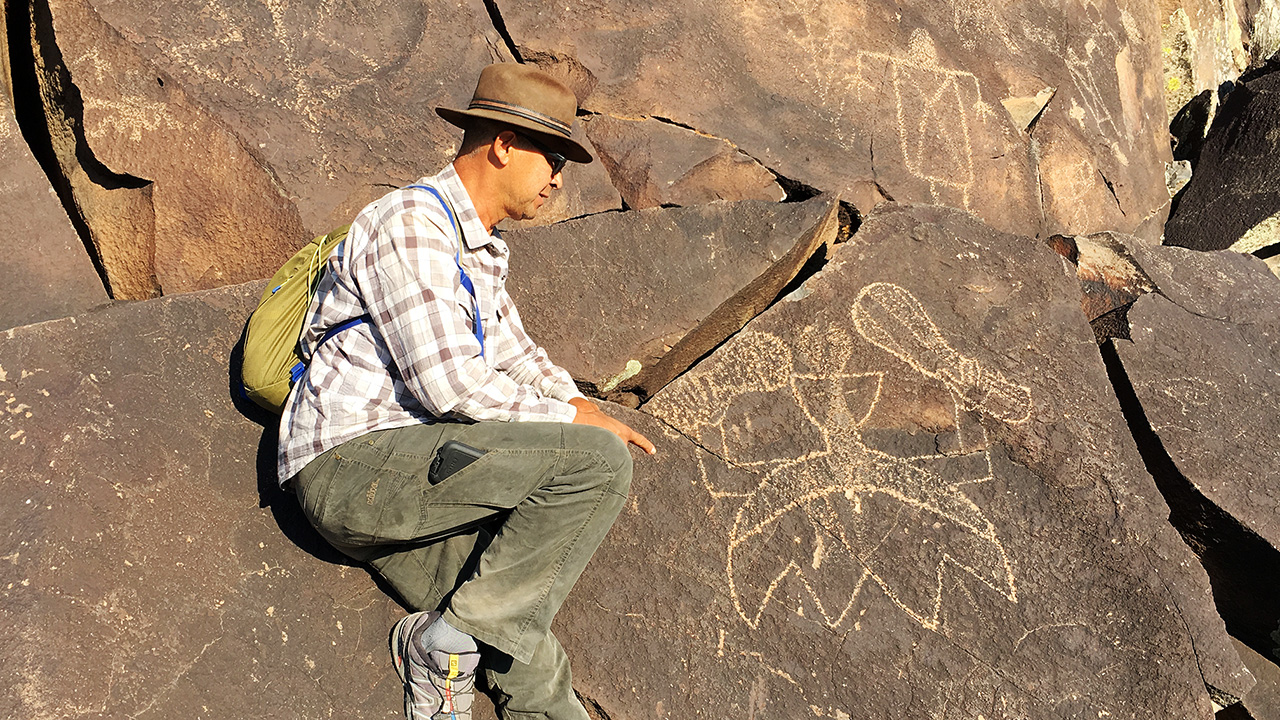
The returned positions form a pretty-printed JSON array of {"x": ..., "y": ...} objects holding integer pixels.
[{"x": 557, "y": 160}]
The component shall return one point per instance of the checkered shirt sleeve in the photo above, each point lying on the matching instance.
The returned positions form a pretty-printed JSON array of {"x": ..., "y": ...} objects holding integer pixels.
[{"x": 418, "y": 360}]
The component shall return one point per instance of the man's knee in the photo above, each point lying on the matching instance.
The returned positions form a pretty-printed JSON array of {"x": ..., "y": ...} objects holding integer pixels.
[{"x": 611, "y": 451}]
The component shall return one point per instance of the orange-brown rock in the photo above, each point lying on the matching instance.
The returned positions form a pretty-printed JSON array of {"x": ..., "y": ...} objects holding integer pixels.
[{"x": 172, "y": 200}]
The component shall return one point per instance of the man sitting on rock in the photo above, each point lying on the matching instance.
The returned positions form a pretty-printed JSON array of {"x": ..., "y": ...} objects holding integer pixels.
[{"x": 489, "y": 552}]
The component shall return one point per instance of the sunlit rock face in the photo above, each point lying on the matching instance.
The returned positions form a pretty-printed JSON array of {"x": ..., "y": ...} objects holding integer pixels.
[{"x": 901, "y": 486}]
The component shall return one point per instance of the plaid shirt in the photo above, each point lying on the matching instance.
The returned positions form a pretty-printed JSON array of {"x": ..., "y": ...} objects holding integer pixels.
[{"x": 418, "y": 360}]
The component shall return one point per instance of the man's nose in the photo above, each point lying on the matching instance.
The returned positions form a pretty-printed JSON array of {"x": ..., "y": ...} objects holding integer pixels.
[{"x": 557, "y": 180}]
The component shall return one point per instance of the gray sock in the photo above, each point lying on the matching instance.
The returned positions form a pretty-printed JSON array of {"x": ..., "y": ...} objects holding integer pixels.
[{"x": 440, "y": 635}]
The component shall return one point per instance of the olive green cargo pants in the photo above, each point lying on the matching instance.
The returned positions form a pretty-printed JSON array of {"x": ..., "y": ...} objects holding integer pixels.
[{"x": 496, "y": 546}]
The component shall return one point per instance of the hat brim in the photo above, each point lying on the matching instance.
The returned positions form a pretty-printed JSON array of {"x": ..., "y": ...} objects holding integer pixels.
[{"x": 558, "y": 143}]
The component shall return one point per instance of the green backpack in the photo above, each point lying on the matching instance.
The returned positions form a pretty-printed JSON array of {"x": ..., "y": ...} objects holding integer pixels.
[{"x": 272, "y": 362}]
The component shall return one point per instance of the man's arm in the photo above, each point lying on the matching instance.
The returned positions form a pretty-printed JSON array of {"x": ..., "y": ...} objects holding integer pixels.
[{"x": 527, "y": 363}]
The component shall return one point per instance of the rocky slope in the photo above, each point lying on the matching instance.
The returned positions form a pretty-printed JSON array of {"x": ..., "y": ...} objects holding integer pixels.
[{"x": 946, "y": 429}]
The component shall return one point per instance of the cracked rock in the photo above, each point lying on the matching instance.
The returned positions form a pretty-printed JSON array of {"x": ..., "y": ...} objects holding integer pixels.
[
  {"x": 1202, "y": 363},
  {"x": 1110, "y": 279},
  {"x": 903, "y": 96},
  {"x": 627, "y": 301},
  {"x": 900, "y": 487},
  {"x": 46, "y": 272},
  {"x": 654, "y": 163},
  {"x": 337, "y": 99},
  {"x": 172, "y": 200}
]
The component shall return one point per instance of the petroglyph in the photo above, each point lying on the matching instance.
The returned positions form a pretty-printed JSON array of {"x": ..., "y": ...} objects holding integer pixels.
[
  {"x": 818, "y": 521},
  {"x": 884, "y": 311},
  {"x": 1083, "y": 64},
  {"x": 936, "y": 108},
  {"x": 933, "y": 106},
  {"x": 297, "y": 85},
  {"x": 974, "y": 19}
]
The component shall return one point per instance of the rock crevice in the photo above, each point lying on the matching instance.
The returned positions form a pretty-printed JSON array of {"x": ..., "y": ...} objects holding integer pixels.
[
  {"x": 1241, "y": 565},
  {"x": 50, "y": 115}
]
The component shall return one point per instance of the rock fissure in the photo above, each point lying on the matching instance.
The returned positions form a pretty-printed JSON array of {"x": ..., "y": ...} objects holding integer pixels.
[
  {"x": 1267, "y": 252},
  {"x": 594, "y": 710},
  {"x": 500, "y": 25},
  {"x": 1240, "y": 564},
  {"x": 1214, "y": 318},
  {"x": 1112, "y": 189},
  {"x": 1191, "y": 638},
  {"x": 33, "y": 51}
]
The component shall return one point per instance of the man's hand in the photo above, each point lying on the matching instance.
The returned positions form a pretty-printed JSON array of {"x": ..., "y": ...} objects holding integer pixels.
[{"x": 589, "y": 414}]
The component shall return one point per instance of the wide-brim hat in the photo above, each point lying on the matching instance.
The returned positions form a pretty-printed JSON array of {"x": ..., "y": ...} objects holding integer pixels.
[{"x": 528, "y": 99}]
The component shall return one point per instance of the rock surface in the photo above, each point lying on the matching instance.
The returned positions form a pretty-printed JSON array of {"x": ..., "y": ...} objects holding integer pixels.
[
  {"x": 900, "y": 488},
  {"x": 1202, "y": 363},
  {"x": 1236, "y": 185},
  {"x": 654, "y": 163},
  {"x": 1263, "y": 701},
  {"x": 902, "y": 98},
  {"x": 151, "y": 572},
  {"x": 337, "y": 99},
  {"x": 172, "y": 199},
  {"x": 628, "y": 301},
  {"x": 1110, "y": 279},
  {"x": 46, "y": 272}
]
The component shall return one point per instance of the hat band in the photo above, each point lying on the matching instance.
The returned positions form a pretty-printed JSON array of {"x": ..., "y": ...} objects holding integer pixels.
[{"x": 526, "y": 113}]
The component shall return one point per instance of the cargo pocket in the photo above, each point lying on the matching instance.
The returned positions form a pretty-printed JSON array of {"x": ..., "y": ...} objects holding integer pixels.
[{"x": 369, "y": 505}]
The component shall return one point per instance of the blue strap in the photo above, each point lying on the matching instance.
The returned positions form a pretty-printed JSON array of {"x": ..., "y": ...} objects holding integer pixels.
[
  {"x": 477, "y": 329},
  {"x": 300, "y": 368}
]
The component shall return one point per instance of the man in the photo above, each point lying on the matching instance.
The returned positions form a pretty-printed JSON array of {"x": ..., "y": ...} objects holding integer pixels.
[{"x": 488, "y": 553}]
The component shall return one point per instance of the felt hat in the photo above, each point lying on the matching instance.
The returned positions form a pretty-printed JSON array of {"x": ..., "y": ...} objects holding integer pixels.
[{"x": 528, "y": 100}]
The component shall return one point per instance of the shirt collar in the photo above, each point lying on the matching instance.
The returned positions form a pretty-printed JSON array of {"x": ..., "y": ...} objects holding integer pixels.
[{"x": 473, "y": 231}]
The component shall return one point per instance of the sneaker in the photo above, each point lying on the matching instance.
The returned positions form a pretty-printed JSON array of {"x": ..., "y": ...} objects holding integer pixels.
[{"x": 443, "y": 687}]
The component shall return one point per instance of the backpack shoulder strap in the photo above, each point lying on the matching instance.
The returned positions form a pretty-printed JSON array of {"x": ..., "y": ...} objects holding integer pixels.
[{"x": 457, "y": 259}]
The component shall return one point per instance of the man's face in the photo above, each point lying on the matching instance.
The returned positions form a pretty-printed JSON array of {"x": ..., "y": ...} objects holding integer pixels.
[{"x": 533, "y": 178}]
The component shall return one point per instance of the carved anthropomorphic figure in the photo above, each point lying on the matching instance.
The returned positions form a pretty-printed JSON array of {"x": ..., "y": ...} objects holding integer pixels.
[{"x": 431, "y": 438}]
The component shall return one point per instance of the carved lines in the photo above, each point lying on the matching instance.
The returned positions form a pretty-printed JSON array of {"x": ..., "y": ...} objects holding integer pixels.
[
  {"x": 932, "y": 110},
  {"x": 834, "y": 472}
]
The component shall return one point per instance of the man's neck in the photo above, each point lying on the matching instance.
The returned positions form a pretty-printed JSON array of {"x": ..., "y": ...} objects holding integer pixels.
[{"x": 475, "y": 179}]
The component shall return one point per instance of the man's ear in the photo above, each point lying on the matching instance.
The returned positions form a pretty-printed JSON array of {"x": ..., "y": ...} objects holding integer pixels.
[{"x": 503, "y": 144}]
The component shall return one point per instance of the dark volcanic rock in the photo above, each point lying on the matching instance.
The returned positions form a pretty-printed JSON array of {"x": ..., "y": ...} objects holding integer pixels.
[
  {"x": 1110, "y": 279},
  {"x": 905, "y": 493},
  {"x": 654, "y": 163},
  {"x": 1263, "y": 701},
  {"x": 46, "y": 272},
  {"x": 906, "y": 98},
  {"x": 1202, "y": 363},
  {"x": 144, "y": 577},
  {"x": 173, "y": 201},
  {"x": 628, "y": 301},
  {"x": 1236, "y": 185}
]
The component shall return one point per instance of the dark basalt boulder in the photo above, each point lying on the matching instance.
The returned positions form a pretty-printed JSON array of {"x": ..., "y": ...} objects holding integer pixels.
[
  {"x": 900, "y": 488},
  {"x": 1236, "y": 185},
  {"x": 627, "y": 301},
  {"x": 1202, "y": 363}
]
